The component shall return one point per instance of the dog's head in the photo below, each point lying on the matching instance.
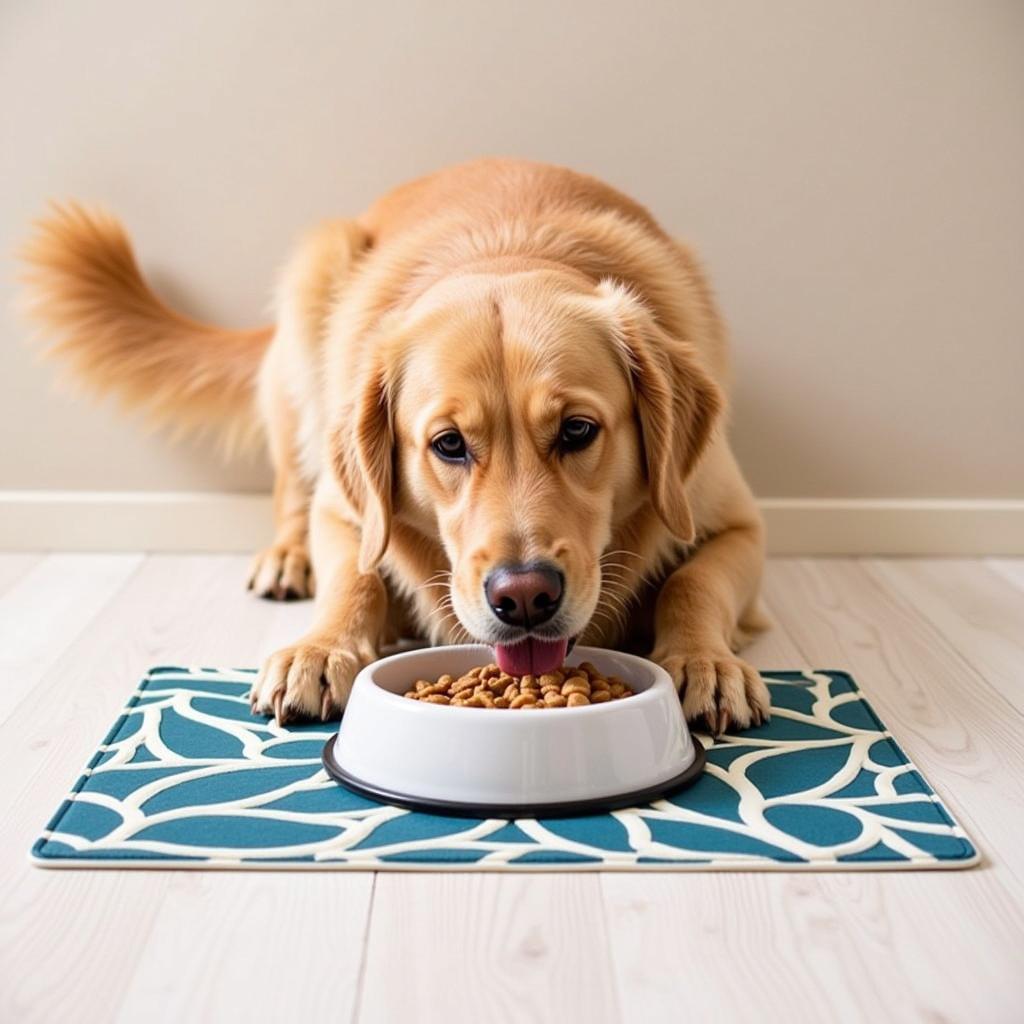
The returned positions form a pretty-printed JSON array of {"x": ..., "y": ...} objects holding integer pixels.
[{"x": 518, "y": 418}]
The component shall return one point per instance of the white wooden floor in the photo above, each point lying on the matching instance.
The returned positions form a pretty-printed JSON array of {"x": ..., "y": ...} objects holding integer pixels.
[{"x": 937, "y": 645}]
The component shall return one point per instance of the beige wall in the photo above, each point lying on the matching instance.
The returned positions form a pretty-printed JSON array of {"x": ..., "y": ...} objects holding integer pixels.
[{"x": 852, "y": 172}]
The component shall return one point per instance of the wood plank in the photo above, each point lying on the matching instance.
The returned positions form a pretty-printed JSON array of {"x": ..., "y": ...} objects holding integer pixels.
[
  {"x": 262, "y": 946},
  {"x": 50, "y": 921},
  {"x": 15, "y": 565},
  {"x": 722, "y": 945},
  {"x": 762, "y": 948},
  {"x": 467, "y": 948},
  {"x": 43, "y": 613},
  {"x": 948, "y": 718},
  {"x": 1011, "y": 569},
  {"x": 307, "y": 929},
  {"x": 71, "y": 938},
  {"x": 976, "y": 611},
  {"x": 173, "y": 608},
  {"x": 74, "y": 941},
  {"x": 774, "y": 648},
  {"x": 947, "y": 930}
]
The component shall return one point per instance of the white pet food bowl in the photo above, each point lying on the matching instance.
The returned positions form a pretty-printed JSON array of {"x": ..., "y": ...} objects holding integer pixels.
[{"x": 504, "y": 763}]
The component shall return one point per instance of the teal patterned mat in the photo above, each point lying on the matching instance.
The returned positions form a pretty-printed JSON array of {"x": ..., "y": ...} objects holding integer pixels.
[{"x": 188, "y": 778}]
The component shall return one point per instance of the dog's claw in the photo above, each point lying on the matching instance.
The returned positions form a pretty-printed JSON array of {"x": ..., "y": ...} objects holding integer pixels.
[
  {"x": 326, "y": 706},
  {"x": 279, "y": 708},
  {"x": 724, "y": 721}
]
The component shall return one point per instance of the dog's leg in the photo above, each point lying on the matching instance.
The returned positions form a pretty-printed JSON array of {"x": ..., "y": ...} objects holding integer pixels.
[
  {"x": 282, "y": 571},
  {"x": 313, "y": 677},
  {"x": 697, "y": 615},
  {"x": 288, "y": 394},
  {"x": 702, "y": 610}
]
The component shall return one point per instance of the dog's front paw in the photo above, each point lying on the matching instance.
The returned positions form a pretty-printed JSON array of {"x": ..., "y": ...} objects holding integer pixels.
[
  {"x": 717, "y": 688},
  {"x": 282, "y": 572},
  {"x": 310, "y": 680}
]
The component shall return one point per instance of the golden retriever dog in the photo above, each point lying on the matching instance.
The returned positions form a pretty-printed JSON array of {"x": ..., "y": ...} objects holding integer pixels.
[{"x": 495, "y": 409}]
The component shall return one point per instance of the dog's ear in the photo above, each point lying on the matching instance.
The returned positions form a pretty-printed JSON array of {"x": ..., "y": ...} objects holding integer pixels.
[
  {"x": 678, "y": 404},
  {"x": 363, "y": 452}
]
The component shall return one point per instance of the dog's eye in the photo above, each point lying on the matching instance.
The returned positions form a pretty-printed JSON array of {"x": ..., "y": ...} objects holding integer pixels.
[
  {"x": 450, "y": 446},
  {"x": 576, "y": 433}
]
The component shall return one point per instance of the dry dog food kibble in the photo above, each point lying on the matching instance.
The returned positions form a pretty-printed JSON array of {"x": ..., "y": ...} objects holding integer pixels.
[{"x": 488, "y": 687}]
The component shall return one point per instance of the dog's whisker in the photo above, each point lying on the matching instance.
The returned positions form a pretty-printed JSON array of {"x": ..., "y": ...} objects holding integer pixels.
[
  {"x": 619, "y": 613},
  {"x": 606, "y": 628},
  {"x": 621, "y": 605},
  {"x": 449, "y": 629},
  {"x": 610, "y": 566},
  {"x": 621, "y": 551},
  {"x": 615, "y": 615},
  {"x": 618, "y": 616},
  {"x": 617, "y": 577},
  {"x": 620, "y": 578},
  {"x": 627, "y": 583},
  {"x": 620, "y": 590},
  {"x": 448, "y": 613},
  {"x": 437, "y": 578},
  {"x": 435, "y": 581},
  {"x": 445, "y": 613},
  {"x": 623, "y": 601},
  {"x": 451, "y": 632}
]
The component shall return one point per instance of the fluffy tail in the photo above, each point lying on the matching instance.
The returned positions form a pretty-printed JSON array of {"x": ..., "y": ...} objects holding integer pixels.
[{"x": 85, "y": 289}]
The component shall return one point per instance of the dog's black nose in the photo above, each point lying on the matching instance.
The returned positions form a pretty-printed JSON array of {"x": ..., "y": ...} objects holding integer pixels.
[{"x": 524, "y": 595}]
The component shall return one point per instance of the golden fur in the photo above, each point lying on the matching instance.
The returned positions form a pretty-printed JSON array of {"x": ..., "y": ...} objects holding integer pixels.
[
  {"x": 84, "y": 286},
  {"x": 498, "y": 298}
]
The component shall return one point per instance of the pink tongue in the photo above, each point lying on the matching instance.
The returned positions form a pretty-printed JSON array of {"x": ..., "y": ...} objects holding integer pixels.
[{"x": 531, "y": 655}]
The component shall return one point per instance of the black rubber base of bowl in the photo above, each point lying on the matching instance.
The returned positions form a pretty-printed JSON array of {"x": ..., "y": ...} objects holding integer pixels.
[{"x": 459, "y": 809}]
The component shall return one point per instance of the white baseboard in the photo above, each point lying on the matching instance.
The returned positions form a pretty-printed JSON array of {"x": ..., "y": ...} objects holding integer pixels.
[
  {"x": 133, "y": 521},
  {"x": 198, "y": 521},
  {"x": 894, "y": 526}
]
